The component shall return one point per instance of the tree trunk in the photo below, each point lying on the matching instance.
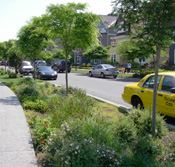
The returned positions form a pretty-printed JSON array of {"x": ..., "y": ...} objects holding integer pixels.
[
  {"x": 66, "y": 74},
  {"x": 157, "y": 62}
]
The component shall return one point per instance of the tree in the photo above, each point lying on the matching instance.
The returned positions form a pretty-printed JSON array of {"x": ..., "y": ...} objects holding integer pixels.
[
  {"x": 152, "y": 21},
  {"x": 73, "y": 26},
  {"x": 15, "y": 57},
  {"x": 4, "y": 47},
  {"x": 97, "y": 52},
  {"x": 59, "y": 54},
  {"x": 32, "y": 40}
]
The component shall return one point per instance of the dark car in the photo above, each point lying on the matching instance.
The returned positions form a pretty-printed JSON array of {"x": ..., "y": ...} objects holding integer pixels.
[
  {"x": 60, "y": 65},
  {"x": 45, "y": 72}
]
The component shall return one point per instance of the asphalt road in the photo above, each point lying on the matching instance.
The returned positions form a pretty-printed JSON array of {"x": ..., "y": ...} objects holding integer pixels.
[{"x": 107, "y": 88}]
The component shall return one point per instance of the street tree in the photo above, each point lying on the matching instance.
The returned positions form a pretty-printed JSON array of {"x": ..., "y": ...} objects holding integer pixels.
[
  {"x": 73, "y": 26},
  {"x": 152, "y": 21},
  {"x": 15, "y": 57},
  {"x": 33, "y": 40},
  {"x": 59, "y": 54},
  {"x": 4, "y": 47},
  {"x": 97, "y": 52}
]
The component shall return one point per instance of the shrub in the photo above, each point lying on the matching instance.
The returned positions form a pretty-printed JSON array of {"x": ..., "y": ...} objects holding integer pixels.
[
  {"x": 12, "y": 75},
  {"x": 2, "y": 71},
  {"x": 143, "y": 120},
  {"x": 72, "y": 147},
  {"x": 41, "y": 131},
  {"x": 38, "y": 106}
]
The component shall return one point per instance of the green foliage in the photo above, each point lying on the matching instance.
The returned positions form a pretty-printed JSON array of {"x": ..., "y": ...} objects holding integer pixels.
[
  {"x": 71, "y": 147},
  {"x": 32, "y": 39},
  {"x": 28, "y": 92},
  {"x": 12, "y": 75},
  {"x": 97, "y": 52},
  {"x": 63, "y": 107},
  {"x": 126, "y": 131},
  {"x": 2, "y": 71},
  {"x": 41, "y": 131},
  {"x": 37, "y": 105}
]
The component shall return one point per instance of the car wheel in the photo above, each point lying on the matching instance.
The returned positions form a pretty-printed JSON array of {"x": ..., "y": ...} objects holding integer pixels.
[
  {"x": 114, "y": 76},
  {"x": 102, "y": 75},
  {"x": 90, "y": 74},
  {"x": 137, "y": 103}
]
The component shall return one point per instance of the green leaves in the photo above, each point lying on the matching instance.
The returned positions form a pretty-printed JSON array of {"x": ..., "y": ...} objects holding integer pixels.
[{"x": 97, "y": 52}]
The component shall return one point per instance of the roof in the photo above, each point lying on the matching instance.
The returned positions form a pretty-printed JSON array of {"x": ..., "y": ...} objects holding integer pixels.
[{"x": 107, "y": 23}]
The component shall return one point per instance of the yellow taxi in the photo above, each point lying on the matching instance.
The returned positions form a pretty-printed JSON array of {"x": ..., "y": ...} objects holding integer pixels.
[{"x": 141, "y": 94}]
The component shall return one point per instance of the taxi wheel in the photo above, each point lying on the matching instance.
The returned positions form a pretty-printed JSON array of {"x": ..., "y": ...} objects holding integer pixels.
[{"x": 137, "y": 103}]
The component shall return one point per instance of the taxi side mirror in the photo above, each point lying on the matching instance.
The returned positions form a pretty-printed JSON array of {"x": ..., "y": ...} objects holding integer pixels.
[{"x": 172, "y": 90}]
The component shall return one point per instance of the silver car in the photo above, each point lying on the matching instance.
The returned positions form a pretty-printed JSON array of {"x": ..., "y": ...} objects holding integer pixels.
[
  {"x": 26, "y": 68},
  {"x": 103, "y": 70}
]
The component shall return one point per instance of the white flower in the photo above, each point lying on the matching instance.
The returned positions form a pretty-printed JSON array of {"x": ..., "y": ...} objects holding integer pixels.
[
  {"x": 171, "y": 154},
  {"x": 71, "y": 144},
  {"x": 77, "y": 147},
  {"x": 85, "y": 139},
  {"x": 97, "y": 150},
  {"x": 75, "y": 152}
]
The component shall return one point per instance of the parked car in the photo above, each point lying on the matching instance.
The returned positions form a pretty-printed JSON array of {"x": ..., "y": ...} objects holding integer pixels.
[
  {"x": 60, "y": 65},
  {"x": 40, "y": 63},
  {"x": 45, "y": 72},
  {"x": 26, "y": 68},
  {"x": 141, "y": 94},
  {"x": 3, "y": 62},
  {"x": 103, "y": 70}
]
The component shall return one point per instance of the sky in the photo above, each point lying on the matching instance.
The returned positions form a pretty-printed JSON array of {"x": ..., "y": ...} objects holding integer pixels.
[{"x": 15, "y": 13}]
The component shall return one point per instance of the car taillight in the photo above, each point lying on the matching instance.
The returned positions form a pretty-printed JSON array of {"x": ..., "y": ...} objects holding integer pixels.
[
  {"x": 107, "y": 69},
  {"x": 61, "y": 65}
]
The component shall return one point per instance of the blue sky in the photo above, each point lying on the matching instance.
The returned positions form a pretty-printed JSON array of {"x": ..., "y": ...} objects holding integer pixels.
[{"x": 15, "y": 13}]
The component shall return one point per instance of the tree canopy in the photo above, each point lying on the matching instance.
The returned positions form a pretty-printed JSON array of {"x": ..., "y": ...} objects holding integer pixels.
[
  {"x": 97, "y": 52},
  {"x": 73, "y": 26}
]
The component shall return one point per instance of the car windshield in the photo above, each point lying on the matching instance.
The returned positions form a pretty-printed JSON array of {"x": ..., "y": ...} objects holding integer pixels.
[
  {"x": 26, "y": 64},
  {"x": 108, "y": 66},
  {"x": 45, "y": 68},
  {"x": 41, "y": 63}
]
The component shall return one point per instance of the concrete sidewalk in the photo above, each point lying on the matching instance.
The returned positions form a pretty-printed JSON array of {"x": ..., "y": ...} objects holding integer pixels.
[{"x": 16, "y": 148}]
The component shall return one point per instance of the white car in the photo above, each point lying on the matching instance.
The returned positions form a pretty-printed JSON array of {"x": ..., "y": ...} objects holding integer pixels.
[
  {"x": 26, "y": 68},
  {"x": 103, "y": 70}
]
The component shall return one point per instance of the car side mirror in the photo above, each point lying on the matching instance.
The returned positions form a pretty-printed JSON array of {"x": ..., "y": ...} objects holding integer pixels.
[{"x": 172, "y": 90}]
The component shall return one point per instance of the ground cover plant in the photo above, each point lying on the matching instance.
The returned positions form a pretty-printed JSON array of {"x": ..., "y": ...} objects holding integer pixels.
[{"x": 74, "y": 130}]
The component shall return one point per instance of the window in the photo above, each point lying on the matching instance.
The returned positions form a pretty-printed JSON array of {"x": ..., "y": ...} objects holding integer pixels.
[
  {"x": 168, "y": 83},
  {"x": 78, "y": 59},
  {"x": 149, "y": 83},
  {"x": 113, "y": 58}
]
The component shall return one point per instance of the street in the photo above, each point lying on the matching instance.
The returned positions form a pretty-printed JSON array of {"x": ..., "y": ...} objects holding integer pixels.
[{"x": 107, "y": 88}]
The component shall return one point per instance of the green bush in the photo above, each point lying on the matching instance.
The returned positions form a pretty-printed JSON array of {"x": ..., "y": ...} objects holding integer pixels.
[
  {"x": 41, "y": 131},
  {"x": 2, "y": 71},
  {"x": 38, "y": 106},
  {"x": 12, "y": 75},
  {"x": 71, "y": 146}
]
